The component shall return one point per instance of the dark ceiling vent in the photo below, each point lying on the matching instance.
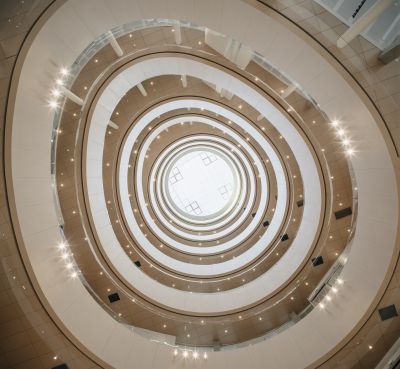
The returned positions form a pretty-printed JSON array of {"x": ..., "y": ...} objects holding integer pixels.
[
  {"x": 253, "y": 215},
  {"x": 285, "y": 237},
  {"x": 343, "y": 213},
  {"x": 388, "y": 312},
  {"x": 114, "y": 297},
  {"x": 300, "y": 203},
  {"x": 265, "y": 223},
  {"x": 137, "y": 263},
  {"x": 61, "y": 366},
  {"x": 318, "y": 260}
]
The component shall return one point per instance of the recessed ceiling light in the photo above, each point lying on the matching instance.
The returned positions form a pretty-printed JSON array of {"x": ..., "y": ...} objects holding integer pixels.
[{"x": 64, "y": 72}]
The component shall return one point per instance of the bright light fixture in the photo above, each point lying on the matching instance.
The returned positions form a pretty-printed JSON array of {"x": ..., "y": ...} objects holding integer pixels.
[
  {"x": 64, "y": 72},
  {"x": 56, "y": 92},
  {"x": 53, "y": 104}
]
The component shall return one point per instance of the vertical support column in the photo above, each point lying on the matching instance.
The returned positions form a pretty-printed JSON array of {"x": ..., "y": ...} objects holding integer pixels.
[
  {"x": 289, "y": 89},
  {"x": 184, "y": 80},
  {"x": 141, "y": 89},
  {"x": 177, "y": 33},
  {"x": 114, "y": 44},
  {"x": 70, "y": 95},
  {"x": 113, "y": 125}
]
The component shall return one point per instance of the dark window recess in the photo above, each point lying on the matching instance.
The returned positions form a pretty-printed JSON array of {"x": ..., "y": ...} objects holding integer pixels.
[
  {"x": 318, "y": 260},
  {"x": 358, "y": 8},
  {"x": 114, "y": 297},
  {"x": 300, "y": 203},
  {"x": 61, "y": 366},
  {"x": 343, "y": 213},
  {"x": 276, "y": 197},
  {"x": 388, "y": 312},
  {"x": 285, "y": 237},
  {"x": 137, "y": 263},
  {"x": 265, "y": 223},
  {"x": 253, "y": 215}
]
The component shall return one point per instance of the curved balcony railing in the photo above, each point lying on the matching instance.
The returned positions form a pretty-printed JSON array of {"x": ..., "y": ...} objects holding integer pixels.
[{"x": 330, "y": 280}]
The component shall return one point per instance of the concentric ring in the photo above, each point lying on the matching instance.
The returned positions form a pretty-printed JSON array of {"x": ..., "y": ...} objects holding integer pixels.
[
  {"x": 185, "y": 181},
  {"x": 313, "y": 205},
  {"x": 252, "y": 185}
]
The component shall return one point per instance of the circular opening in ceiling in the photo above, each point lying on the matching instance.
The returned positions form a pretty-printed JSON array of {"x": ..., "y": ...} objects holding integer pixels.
[{"x": 201, "y": 184}]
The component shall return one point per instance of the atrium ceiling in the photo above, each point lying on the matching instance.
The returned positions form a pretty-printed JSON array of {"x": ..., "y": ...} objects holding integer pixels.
[{"x": 181, "y": 189}]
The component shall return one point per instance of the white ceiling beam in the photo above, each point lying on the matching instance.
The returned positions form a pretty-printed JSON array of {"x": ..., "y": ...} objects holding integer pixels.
[
  {"x": 70, "y": 95},
  {"x": 288, "y": 91},
  {"x": 360, "y": 24},
  {"x": 177, "y": 33},
  {"x": 113, "y": 125},
  {"x": 227, "y": 94},
  {"x": 142, "y": 89},
  {"x": 184, "y": 80},
  {"x": 114, "y": 44}
]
